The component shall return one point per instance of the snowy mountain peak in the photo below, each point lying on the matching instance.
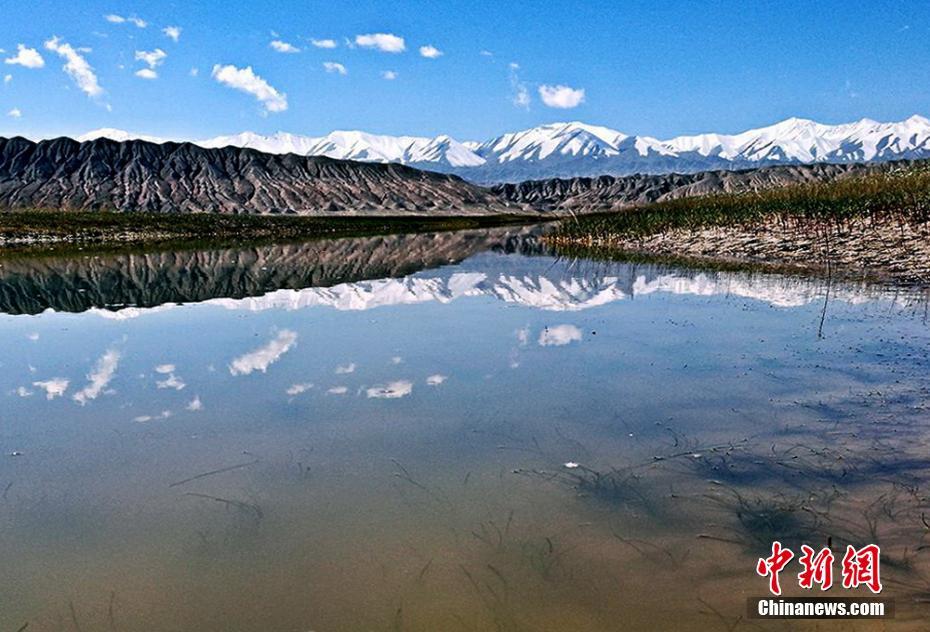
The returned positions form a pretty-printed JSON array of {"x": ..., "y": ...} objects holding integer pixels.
[
  {"x": 118, "y": 135},
  {"x": 440, "y": 153},
  {"x": 573, "y": 148}
]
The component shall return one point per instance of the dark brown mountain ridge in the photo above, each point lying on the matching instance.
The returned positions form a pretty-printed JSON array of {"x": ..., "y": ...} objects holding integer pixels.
[
  {"x": 614, "y": 193},
  {"x": 185, "y": 178},
  {"x": 103, "y": 174}
]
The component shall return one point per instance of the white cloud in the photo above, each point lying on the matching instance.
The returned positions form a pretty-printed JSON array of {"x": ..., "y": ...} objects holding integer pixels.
[
  {"x": 297, "y": 389},
  {"x": 22, "y": 391},
  {"x": 54, "y": 387},
  {"x": 7, "y": 78},
  {"x": 561, "y": 96},
  {"x": 430, "y": 52},
  {"x": 195, "y": 404},
  {"x": 172, "y": 32},
  {"x": 76, "y": 66},
  {"x": 338, "y": 390},
  {"x": 26, "y": 57},
  {"x": 172, "y": 381},
  {"x": 396, "y": 360},
  {"x": 165, "y": 369},
  {"x": 332, "y": 66},
  {"x": 559, "y": 335},
  {"x": 486, "y": 53},
  {"x": 247, "y": 81},
  {"x": 99, "y": 377},
  {"x": 345, "y": 368},
  {"x": 153, "y": 58},
  {"x": 436, "y": 380},
  {"x": 523, "y": 335},
  {"x": 118, "y": 19},
  {"x": 323, "y": 43},
  {"x": 392, "y": 390},
  {"x": 165, "y": 414},
  {"x": 15, "y": 113},
  {"x": 193, "y": 72},
  {"x": 520, "y": 94},
  {"x": 283, "y": 47},
  {"x": 33, "y": 336},
  {"x": 263, "y": 357},
  {"x": 390, "y": 75},
  {"x": 385, "y": 42}
]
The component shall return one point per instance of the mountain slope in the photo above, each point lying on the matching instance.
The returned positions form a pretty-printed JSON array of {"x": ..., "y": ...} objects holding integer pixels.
[
  {"x": 439, "y": 154},
  {"x": 577, "y": 149},
  {"x": 611, "y": 193},
  {"x": 172, "y": 177}
]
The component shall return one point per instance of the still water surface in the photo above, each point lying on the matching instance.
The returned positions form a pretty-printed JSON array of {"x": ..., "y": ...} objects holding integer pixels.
[{"x": 373, "y": 434}]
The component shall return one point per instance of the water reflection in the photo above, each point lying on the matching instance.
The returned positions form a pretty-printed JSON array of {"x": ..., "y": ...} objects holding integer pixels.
[
  {"x": 76, "y": 283},
  {"x": 364, "y": 273},
  {"x": 292, "y": 437}
]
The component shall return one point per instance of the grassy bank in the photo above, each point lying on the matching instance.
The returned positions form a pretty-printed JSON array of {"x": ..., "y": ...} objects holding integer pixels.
[
  {"x": 45, "y": 228},
  {"x": 875, "y": 225},
  {"x": 902, "y": 195}
]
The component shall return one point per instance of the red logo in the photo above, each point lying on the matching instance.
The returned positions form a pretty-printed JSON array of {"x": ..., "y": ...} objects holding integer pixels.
[
  {"x": 817, "y": 569},
  {"x": 773, "y": 565},
  {"x": 860, "y": 567}
]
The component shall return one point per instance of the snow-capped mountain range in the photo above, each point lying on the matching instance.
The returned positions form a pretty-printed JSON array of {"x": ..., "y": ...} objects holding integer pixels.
[
  {"x": 543, "y": 291},
  {"x": 577, "y": 149}
]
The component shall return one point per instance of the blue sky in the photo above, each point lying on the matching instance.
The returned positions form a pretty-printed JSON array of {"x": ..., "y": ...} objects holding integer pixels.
[{"x": 660, "y": 69}]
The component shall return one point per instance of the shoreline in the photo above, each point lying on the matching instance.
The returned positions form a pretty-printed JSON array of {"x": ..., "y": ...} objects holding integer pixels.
[
  {"x": 880, "y": 249},
  {"x": 40, "y": 230}
]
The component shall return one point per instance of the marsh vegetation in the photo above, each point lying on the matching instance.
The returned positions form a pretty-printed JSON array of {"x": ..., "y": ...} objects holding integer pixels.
[{"x": 875, "y": 224}]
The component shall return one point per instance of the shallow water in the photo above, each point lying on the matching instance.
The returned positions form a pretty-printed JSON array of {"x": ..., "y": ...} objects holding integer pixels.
[{"x": 372, "y": 435}]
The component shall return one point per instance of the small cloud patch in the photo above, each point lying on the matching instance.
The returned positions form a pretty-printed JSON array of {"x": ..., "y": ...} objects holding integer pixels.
[
  {"x": 26, "y": 57},
  {"x": 391, "y": 390},
  {"x": 335, "y": 67},
  {"x": 263, "y": 357},
  {"x": 430, "y": 52},
  {"x": 297, "y": 389},
  {"x": 283, "y": 47},
  {"x": 559, "y": 336},
  {"x": 384, "y": 42},
  {"x": 561, "y": 97},
  {"x": 54, "y": 387}
]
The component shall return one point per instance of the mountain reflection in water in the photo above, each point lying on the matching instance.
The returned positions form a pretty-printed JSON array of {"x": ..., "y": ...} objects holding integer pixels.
[
  {"x": 456, "y": 431},
  {"x": 361, "y": 273}
]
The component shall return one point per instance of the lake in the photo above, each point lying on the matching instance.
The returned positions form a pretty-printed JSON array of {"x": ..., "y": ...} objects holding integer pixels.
[{"x": 453, "y": 431}]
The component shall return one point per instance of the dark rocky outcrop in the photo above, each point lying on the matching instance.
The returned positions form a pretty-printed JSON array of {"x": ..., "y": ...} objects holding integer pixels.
[
  {"x": 609, "y": 193},
  {"x": 184, "y": 178}
]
